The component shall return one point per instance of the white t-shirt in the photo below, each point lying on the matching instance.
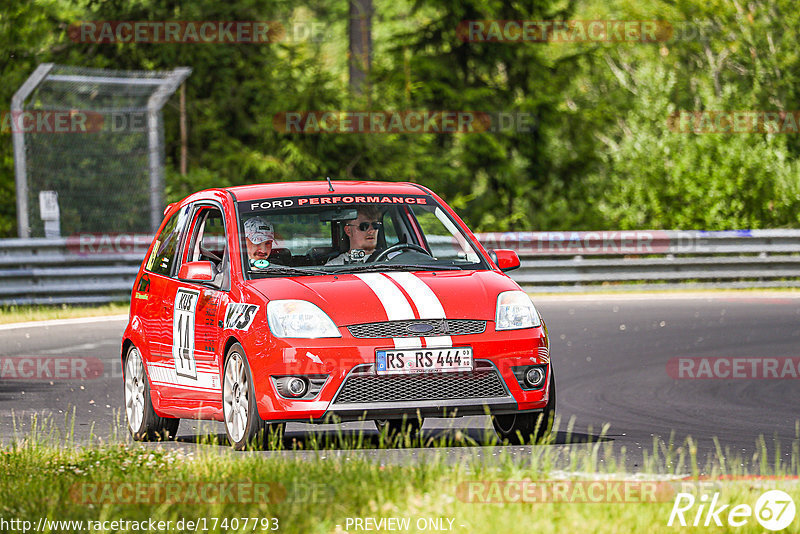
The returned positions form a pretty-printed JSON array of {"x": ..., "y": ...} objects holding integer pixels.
[{"x": 344, "y": 258}]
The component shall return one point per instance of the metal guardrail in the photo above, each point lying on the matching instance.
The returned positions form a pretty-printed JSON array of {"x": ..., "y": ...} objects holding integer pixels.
[
  {"x": 102, "y": 269},
  {"x": 66, "y": 271},
  {"x": 655, "y": 259}
]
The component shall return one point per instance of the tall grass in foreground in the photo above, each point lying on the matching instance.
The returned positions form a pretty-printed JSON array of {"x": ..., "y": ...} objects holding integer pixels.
[{"x": 317, "y": 482}]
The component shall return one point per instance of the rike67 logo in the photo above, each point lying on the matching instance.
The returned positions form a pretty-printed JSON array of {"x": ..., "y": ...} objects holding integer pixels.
[{"x": 774, "y": 510}]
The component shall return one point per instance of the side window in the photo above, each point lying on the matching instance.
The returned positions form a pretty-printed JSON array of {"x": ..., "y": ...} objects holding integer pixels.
[
  {"x": 389, "y": 230},
  {"x": 163, "y": 254},
  {"x": 208, "y": 239},
  {"x": 445, "y": 240}
]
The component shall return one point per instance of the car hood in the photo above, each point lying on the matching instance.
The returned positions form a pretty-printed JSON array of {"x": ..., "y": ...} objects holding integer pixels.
[{"x": 369, "y": 297}]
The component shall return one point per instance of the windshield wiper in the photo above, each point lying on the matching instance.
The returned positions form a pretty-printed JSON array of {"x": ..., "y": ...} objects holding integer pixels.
[
  {"x": 287, "y": 271},
  {"x": 394, "y": 267}
]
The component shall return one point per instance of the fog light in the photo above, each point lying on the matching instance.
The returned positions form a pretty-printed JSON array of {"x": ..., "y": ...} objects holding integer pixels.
[
  {"x": 295, "y": 387},
  {"x": 303, "y": 387},
  {"x": 292, "y": 386},
  {"x": 534, "y": 377}
]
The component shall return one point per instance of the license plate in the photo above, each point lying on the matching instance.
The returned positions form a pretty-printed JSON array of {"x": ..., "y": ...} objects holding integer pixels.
[{"x": 445, "y": 360}]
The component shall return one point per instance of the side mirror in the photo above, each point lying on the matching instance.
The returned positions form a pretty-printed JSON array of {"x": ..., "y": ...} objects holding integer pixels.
[
  {"x": 506, "y": 260},
  {"x": 196, "y": 271}
]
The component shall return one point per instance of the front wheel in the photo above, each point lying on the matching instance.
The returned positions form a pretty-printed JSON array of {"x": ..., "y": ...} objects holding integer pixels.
[
  {"x": 143, "y": 422},
  {"x": 518, "y": 428},
  {"x": 243, "y": 424}
]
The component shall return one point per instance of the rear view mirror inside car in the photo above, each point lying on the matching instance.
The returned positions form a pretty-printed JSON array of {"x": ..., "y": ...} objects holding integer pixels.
[{"x": 338, "y": 214}]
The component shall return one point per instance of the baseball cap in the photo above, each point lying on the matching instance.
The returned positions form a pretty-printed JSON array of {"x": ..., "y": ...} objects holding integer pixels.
[{"x": 258, "y": 230}]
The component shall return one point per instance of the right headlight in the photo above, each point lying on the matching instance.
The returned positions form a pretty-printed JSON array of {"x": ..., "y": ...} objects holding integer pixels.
[
  {"x": 299, "y": 318},
  {"x": 514, "y": 311}
]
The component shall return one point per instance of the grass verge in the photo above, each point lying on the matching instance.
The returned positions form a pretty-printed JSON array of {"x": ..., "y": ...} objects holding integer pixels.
[
  {"x": 324, "y": 492},
  {"x": 21, "y": 314}
]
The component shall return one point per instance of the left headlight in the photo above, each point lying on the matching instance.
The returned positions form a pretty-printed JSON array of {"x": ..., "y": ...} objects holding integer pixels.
[
  {"x": 515, "y": 310},
  {"x": 299, "y": 318}
]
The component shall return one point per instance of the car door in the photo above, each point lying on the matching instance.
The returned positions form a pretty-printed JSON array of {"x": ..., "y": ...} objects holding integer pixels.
[
  {"x": 157, "y": 279},
  {"x": 193, "y": 313}
]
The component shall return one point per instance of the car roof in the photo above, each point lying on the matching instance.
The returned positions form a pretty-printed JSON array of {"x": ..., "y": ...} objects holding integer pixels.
[{"x": 291, "y": 189}]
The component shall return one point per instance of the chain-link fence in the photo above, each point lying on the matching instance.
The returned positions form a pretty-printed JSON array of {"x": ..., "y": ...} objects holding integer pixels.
[{"x": 89, "y": 149}]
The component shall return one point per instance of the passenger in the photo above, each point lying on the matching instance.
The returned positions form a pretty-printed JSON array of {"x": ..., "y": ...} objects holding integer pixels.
[{"x": 259, "y": 236}]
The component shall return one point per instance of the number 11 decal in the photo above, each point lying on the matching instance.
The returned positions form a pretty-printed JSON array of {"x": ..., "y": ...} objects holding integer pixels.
[{"x": 183, "y": 332}]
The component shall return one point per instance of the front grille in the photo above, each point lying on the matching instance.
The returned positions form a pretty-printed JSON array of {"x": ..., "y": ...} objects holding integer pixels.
[
  {"x": 361, "y": 386},
  {"x": 441, "y": 327}
]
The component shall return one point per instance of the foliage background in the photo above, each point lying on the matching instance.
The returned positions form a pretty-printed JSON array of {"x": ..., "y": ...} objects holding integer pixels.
[{"x": 600, "y": 154}]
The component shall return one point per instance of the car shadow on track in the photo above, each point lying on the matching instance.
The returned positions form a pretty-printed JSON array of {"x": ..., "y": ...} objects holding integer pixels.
[{"x": 344, "y": 439}]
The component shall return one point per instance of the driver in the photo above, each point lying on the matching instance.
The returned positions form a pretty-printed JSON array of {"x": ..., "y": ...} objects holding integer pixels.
[
  {"x": 363, "y": 234},
  {"x": 259, "y": 236}
]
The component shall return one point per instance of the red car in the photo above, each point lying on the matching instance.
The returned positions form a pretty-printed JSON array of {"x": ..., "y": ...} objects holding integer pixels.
[{"x": 329, "y": 301}]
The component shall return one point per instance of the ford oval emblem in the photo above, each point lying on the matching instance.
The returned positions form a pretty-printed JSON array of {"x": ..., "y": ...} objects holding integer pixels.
[{"x": 420, "y": 328}]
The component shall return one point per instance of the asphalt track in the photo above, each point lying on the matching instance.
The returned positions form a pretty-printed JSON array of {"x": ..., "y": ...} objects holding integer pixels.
[{"x": 610, "y": 355}]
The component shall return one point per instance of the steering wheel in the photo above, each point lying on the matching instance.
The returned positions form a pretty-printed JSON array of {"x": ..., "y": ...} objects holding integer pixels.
[{"x": 378, "y": 256}]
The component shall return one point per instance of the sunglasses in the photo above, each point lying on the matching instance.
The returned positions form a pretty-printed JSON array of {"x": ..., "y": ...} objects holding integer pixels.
[{"x": 364, "y": 226}]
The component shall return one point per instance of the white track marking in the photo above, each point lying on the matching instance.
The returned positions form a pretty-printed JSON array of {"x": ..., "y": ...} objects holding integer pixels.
[
  {"x": 63, "y": 322},
  {"x": 84, "y": 346}
]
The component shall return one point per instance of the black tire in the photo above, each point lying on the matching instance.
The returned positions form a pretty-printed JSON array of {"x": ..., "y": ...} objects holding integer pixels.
[
  {"x": 411, "y": 425},
  {"x": 243, "y": 424},
  {"x": 143, "y": 422},
  {"x": 519, "y": 428}
]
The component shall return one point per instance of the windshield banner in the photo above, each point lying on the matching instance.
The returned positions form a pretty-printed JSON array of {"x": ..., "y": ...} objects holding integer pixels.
[{"x": 330, "y": 200}]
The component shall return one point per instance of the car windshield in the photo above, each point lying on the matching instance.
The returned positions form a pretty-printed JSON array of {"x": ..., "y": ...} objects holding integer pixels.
[{"x": 336, "y": 234}]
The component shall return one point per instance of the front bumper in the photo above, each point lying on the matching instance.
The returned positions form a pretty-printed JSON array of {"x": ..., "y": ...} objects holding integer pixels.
[
  {"x": 364, "y": 395},
  {"x": 353, "y": 391}
]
